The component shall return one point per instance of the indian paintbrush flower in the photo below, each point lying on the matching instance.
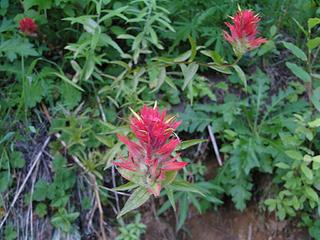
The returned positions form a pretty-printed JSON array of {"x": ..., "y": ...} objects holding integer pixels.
[
  {"x": 28, "y": 26},
  {"x": 244, "y": 32},
  {"x": 150, "y": 159}
]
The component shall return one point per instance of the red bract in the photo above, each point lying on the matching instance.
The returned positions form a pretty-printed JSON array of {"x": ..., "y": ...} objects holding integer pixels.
[
  {"x": 151, "y": 157},
  {"x": 28, "y": 26},
  {"x": 244, "y": 32}
]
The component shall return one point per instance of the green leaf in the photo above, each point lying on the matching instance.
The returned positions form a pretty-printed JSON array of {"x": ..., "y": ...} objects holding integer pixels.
[
  {"x": 64, "y": 78},
  {"x": 70, "y": 96},
  {"x": 41, "y": 209},
  {"x": 184, "y": 186},
  {"x": 316, "y": 158},
  {"x": 183, "y": 211},
  {"x": 17, "y": 160},
  {"x": 221, "y": 69},
  {"x": 314, "y": 123},
  {"x": 282, "y": 165},
  {"x": 315, "y": 99},
  {"x": 312, "y": 22},
  {"x": 5, "y": 180},
  {"x": 241, "y": 75},
  {"x": 188, "y": 73},
  {"x": 138, "y": 197},
  {"x": 171, "y": 197},
  {"x": 298, "y": 71},
  {"x": 126, "y": 186},
  {"x": 40, "y": 191},
  {"x": 313, "y": 43},
  {"x": 189, "y": 143},
  {"x": 42, "y": 4},
  {"x": 307, "y": 171},
  {"x": 17, "y": 46},
  {"x": 295, "y": 50},
  {"x": 193, "y": 48},
  {"x": 300, "y": 26},
  {"x": 311, "y": 194},
  {"x": 294, "y": 154},
  {"x": 182, "y": 57},
  {"x": 63, "y": 220}
]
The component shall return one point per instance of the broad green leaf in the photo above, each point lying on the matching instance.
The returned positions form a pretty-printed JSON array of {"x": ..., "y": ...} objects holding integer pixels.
[
  {"x": 314, "y": 123},
  {"x": 282, "y": 165},
  {"x": 316, "y": 158},
  {"x": 307, "y": 171},
  {"x": 295, "y": 50},
  {"x": 312, "y": 22},
  {"x": 189, "y": 143},
  {"x": 311, "y": 194},
  {"x": 241, "y": 75},
  {"x": 138, "y": 197},
  {"x": 313, "y": 43},
  {"x": 298, "y": 71},
  {"x": 294, "y": 154}
]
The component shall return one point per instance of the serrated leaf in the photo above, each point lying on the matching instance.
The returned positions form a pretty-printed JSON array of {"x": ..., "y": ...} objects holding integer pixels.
[
  {"x": 295, "y": 50},
  {"x": 298, "y": 71},
  {"x": 138, "y": 197}
]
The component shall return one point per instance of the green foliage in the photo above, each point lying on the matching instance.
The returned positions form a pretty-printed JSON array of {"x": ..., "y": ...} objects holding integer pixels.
[
  {"x": 90, "y": 60},
  {"x": 131, "y": 231},
  {"x": 57, "y": 193}
]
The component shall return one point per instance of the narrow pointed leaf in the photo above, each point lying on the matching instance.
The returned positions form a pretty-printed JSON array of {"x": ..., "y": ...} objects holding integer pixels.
[{"x": 138, "y": 197}]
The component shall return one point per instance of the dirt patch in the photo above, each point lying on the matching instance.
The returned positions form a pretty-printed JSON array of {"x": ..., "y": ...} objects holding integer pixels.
[
  {"x": 225, "y": 224},
  {"x": 230, "y": 224}
]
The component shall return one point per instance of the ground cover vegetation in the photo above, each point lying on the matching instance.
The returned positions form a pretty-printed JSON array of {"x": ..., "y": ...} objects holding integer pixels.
[{"x": 116, "y": 115}]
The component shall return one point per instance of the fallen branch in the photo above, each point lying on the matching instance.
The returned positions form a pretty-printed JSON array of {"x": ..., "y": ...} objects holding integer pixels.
[{"x": 215, "y": 146}]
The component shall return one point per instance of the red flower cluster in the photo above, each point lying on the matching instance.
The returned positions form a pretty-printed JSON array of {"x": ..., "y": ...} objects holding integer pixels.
[
  {"x": 151, "y": 156},
  {"x": 28, "y": 26},
  {"x": 243, "y": 32}
]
